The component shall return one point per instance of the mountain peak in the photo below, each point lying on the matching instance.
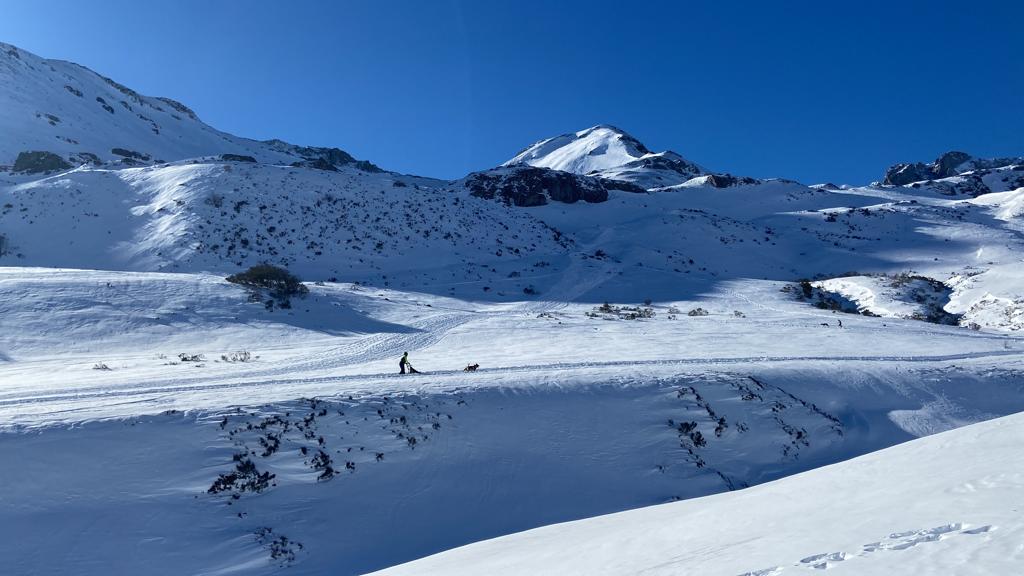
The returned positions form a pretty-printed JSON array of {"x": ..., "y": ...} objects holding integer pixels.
[{"x": 609, "y": 152}]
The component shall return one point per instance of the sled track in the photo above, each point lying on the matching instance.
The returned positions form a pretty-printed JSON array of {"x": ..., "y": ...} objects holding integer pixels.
[
  {"x": 426, "y": 332},
  {"x": 158, "y": 392}
]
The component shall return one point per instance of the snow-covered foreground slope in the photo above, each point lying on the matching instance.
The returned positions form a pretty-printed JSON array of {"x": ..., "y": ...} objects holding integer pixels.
[
  {"x": 575, "y": 412},
  {"x": 946, "y": 504}
]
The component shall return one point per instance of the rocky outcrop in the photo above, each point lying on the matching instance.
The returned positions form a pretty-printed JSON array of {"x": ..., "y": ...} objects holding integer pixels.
[
  {"x": 86, "y": 158},
  {"x": 949, "y": 164},
  {"x": 39, "y": 161},
  {"x": 527, "y": 186},
  {"x": 669, "y": 162},
  {"x": 179, "y": 107},
  {"x": 237, "y": 158},
  {"x": 727, "y": 180},
  {"x": 130, "y": 154},
  {"x": 322, "y": 158}
]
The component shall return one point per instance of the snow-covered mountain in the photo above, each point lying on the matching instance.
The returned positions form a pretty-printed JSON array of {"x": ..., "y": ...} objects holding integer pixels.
[
  {"x": 646, "y": 331},
  {"x": 57, "y": 114},
  {"x": 949, "y": 166},
  {"x": 607, "y": 152}
]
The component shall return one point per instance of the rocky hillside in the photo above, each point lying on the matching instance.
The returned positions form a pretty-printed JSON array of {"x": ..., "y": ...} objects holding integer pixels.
[{"x": 98, "y": 176}]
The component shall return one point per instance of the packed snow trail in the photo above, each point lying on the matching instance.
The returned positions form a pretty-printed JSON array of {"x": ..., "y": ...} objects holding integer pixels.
[{"x": 162, "y": 395}]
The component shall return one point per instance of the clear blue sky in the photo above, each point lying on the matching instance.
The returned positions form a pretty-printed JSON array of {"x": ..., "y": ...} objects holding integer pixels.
[{"x": 815, "y": 90}]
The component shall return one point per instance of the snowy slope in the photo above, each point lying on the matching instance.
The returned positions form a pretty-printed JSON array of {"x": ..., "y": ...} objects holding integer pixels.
[
  {"x": 947, "y": 504},
  {"x": 588, "y": 412},
  {"x": 901, "y": 296},
  {"x": 222, "y": 216},
  {"x": 607, "y": 152},
  {"x": 640, "y": 325},
  {"x": 69, "y": 110}
]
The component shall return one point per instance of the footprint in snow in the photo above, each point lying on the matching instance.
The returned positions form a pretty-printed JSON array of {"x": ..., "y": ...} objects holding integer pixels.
[
  {"x": 773, "y": 571},
  {"x": 824, "y": 561},
  {"x": 895, "y": 541},
  {"x": 911, "y": 538}
]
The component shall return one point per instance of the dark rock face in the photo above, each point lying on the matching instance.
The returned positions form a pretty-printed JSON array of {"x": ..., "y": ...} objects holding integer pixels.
[
  {"x": 622, "y": 185},
  {"x": 317, "y": 163},
  {"x": 903, "y": 174},
  {"x": 527, "y": 186},
  {"x": 727, "y": 180},
  {"x": 946, "y": 166},
  {"x": 943, "y": 167},
  {"x": 87, "y": 158},
  {"x": 971, "y": 185},
  {"x": 179, "y": 107},
  {"x": 237, "y": 158},
  {"x": 664, "y": 163},
  {"x": 39, "y": 161},
  {"x": 130, "y": 154},
  {"x": 323, "y": 158}
]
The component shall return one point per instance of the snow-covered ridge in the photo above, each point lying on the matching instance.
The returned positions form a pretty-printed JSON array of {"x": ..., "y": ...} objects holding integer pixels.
[
  {"x": 948, "y": 165},
  {"x": 82, "y": 117},
  {"x": 608, "y": 152}
]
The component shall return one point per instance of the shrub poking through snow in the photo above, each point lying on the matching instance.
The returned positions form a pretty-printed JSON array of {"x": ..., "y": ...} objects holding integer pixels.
[
  {"x": 245, "y": 478},
  {"x": 698, "y": 311},
  {"x": 610, "y": 312},
  {"x": 281, "y": 548},
  {"x": 240, "y": 356},
  {"x": 279, "y": 282}
]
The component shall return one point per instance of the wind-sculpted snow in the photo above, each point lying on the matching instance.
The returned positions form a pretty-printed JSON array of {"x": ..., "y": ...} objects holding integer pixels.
[{"x": 937, "y": 505}]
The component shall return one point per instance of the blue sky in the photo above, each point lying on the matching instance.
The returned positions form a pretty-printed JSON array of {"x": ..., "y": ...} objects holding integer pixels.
[{"x": 814, "y": 91}]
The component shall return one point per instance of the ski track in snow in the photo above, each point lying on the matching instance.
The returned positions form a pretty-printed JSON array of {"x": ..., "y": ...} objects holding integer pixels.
[{"x": 159, "y": 389}]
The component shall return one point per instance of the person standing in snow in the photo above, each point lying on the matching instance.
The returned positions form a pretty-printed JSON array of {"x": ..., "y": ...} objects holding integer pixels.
[{"x": 404, "y": 363}]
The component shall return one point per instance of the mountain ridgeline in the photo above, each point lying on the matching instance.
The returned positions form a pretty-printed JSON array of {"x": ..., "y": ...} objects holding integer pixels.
[{"x": 95, "y": 175}]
